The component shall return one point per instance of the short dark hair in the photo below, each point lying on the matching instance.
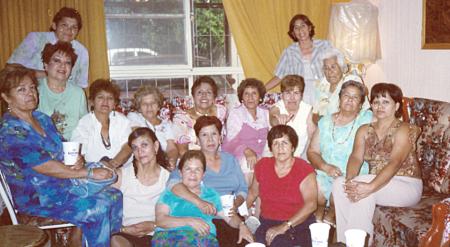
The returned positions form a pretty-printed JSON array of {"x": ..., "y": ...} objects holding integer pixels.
[
  {"x": 11, "y": 77},
  {"x": 291, "y": 81},
  {"x": 251, "y": 82},
  {"x": 60, "y": 46},
  {"x": 161, "y": 157},
  {"x": 205, "y": 121},
  {"x": 281, "y": 130},
  {"x": 361, "y": 88},
  {"x": 104, "y": 85},
  {"x": 207, "y": 80},
  {"x": 382, "y": 89},
  {"x": 67, "y": 12},
  {"x": 192, "y": 154},
  {"x": 306, "y": 20}
]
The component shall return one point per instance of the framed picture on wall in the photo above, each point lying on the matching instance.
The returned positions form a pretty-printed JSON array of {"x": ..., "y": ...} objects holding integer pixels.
[{"x": 436, "y": 24}]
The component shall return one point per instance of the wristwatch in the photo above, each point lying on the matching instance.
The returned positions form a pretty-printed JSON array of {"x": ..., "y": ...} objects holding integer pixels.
[{"x": 289, "y": 224}]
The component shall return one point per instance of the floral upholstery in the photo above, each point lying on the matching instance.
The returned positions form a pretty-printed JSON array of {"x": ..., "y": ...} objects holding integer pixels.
[{"x": 405, "y": 226}]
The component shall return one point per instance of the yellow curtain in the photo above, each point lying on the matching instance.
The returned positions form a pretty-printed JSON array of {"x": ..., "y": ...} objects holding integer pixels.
[
  {"x": 19, "y": 17},
  {"x": 260, "y": 28}
]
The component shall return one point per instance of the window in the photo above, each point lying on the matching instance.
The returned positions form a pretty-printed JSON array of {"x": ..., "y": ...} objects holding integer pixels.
[{"x": 168, "y": 43}]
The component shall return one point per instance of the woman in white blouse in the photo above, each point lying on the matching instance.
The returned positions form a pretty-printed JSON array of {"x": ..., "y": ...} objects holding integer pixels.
[
  {"x": 247, "y": 126},
  {"x": 103, "y": 133},
  {"x": 148, "y": 102}
]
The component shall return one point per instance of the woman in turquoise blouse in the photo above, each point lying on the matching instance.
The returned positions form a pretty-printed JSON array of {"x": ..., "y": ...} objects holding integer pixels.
[{"x": 332, "y": 143}]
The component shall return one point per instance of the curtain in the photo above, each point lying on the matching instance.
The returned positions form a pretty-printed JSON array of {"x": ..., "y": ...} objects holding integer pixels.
[
  {"x": 19, "y": 17},
  {"x": 260, "y": 28}
]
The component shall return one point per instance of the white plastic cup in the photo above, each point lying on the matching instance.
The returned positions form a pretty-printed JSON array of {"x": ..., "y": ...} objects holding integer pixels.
[
  {"x": 319, "y": 234},
  {"x": 227, "y": 203},
  {"x": 355, "y": 238},
  {"x": 71, "y": 151},
  {"x": 252, "y": 223},
  {"x": 255, "y": 245}
]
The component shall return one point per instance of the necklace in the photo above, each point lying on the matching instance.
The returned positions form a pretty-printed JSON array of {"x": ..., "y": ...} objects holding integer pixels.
[
  {"x": 200, "y": 114},
  {"x": 348, "y": 135},
  {"x": 106, "y": 142}
]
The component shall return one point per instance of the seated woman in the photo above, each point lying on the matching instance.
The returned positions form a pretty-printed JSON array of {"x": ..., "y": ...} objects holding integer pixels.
[
  {"x": 222, "y": 174},
  {"x": 247, "y": 126},
  {"x": 328, "y": 89},
  {"x": 103, "y": 133},
  {"x": 31, "y": 157},
  {"x": 204, "y": 93},
  {"x": 141, "y": 185},
  {"x": 182, "y": 223},
  {"x": 64, "y": 102},
  {"x": 291, "y": 110},
  {"x": 288, "y": 191},
  {"x": 332, "y": 143},
  {"x": 148, "y": 101},
  {"x": 389, "y": 147}
]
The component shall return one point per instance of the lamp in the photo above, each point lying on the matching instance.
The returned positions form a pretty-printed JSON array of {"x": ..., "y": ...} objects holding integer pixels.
[{"x": 353, "y": 29}]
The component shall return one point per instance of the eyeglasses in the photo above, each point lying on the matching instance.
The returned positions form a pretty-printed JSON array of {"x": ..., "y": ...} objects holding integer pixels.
[
  {"x": 66, "y": 27},
  {"x": 292, "y": 93}
]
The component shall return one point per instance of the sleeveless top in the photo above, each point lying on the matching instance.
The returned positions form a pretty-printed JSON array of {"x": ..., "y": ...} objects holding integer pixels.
[
  {"x": 139, "y": 200},
  {"x": 377, "y": 152},
  {"x": 298, "y": 123}
]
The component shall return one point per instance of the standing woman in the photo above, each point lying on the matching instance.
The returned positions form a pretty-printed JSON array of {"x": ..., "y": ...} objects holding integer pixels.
[
  {"x": 65, "y": 27},
  {"x": 103, "y": 133},
  {"x": 141, "y": 185},
  {"x": 394, "y": 179},
  {"x": 204, "y": 92},
  {"x": 148, "y": 101},
  {"x": 302, "y": 57},
  {"x": 64, "y": 102},
  {"x": 247, "y": 126},
  {"x": 288, "y": 191}
]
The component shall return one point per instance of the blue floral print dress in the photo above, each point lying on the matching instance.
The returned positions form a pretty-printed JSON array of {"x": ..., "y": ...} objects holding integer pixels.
[{"x": 21, "y": 149}]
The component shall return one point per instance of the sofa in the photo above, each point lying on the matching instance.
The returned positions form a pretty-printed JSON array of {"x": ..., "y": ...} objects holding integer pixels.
[{"x": 410, "y": 226}]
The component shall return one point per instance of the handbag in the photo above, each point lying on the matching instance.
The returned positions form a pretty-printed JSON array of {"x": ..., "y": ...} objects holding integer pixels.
[{"x": 85, "y": 187}]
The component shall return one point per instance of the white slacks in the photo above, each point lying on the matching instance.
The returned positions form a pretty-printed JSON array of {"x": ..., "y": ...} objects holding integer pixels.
[{"x": 401, "y": 191}]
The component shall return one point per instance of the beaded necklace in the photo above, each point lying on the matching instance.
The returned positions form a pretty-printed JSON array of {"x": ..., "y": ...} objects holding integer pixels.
[{"x": 348, "y": 135}]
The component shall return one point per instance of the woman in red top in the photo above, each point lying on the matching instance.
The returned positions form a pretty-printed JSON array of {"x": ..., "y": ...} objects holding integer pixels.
[{"x": 288, "y": 191}]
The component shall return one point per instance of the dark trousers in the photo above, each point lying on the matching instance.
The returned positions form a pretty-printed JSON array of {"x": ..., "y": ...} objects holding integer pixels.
[
  {"x": 298, "y": 236},
  {"x": 227, "y": 235}
]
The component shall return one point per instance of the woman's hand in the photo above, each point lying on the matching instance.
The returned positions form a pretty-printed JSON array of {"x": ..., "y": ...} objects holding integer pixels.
[
  {"x": 206, "y": 207},
  {"x": 357, "y": 190},
  {"x": 275, "y": 231},
  {"x": 199, "y": 225},
  {"x": 244, "y": 233},
  {"x": 332, "y": 170},
  {"x": 251, "y": 158},
  {"x": 284, "y": 118},
  {"x": 101, "y": 173},
  {"x": 140, "y": 229},
  {"x": 79, "y": 163}
]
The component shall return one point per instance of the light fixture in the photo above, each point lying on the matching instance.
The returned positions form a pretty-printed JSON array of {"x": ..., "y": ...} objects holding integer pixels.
[{"x": 353, "y": 30}]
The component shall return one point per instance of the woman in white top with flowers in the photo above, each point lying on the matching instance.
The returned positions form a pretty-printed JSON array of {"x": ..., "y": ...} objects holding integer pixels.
[{"x": 148, "y": 102}]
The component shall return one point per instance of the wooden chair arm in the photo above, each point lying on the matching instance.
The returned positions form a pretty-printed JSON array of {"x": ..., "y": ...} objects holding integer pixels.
[{"x": 434, "y": 236}]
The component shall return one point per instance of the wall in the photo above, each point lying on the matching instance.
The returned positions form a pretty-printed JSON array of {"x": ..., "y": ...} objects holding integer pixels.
[{"x": 420, "y": 73}]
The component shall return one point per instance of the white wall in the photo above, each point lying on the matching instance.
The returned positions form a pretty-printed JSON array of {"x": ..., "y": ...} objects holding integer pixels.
[{"x": 420, "y": 73}]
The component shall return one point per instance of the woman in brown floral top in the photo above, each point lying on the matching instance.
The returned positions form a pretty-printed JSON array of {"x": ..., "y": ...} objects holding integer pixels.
[{"x": 389, "y": 146}]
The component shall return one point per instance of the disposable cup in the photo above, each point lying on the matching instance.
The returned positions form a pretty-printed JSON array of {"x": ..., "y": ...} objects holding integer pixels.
[
  {"x": 319, "y": 234},
  {"x": 227, "y": 203},
  {"x": 252, "y": 223},
  {"x": 71, "y": 151},
  {"x": 255, "y": 245},
  {"x": 355, "y": 238}
]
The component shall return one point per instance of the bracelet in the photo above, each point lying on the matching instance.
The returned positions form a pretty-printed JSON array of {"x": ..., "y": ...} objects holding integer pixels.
[
  {"x": 90, "y": 172},
  {"x": 122, "y": 229},
  {"x": 289, "y": 224}
]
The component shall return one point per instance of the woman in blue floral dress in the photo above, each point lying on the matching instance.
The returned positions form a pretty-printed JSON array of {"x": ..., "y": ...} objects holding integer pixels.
[{"x": 31, "y": 159}]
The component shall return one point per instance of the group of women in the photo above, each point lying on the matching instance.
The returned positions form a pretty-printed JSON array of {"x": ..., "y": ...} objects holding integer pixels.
[{"x": 172, "y": 175}]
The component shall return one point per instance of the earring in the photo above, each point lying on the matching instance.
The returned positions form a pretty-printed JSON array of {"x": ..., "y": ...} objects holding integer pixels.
[{"x": 9, "y": 109}]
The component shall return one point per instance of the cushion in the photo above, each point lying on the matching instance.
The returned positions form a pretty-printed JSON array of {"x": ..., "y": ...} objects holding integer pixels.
[
  {"x": 396, "y": 226},
  {"x": 433, "y": 145}
]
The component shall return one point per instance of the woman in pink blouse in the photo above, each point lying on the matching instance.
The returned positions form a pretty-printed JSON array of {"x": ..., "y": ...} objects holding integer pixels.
[{"x": 247, "y": 126}]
